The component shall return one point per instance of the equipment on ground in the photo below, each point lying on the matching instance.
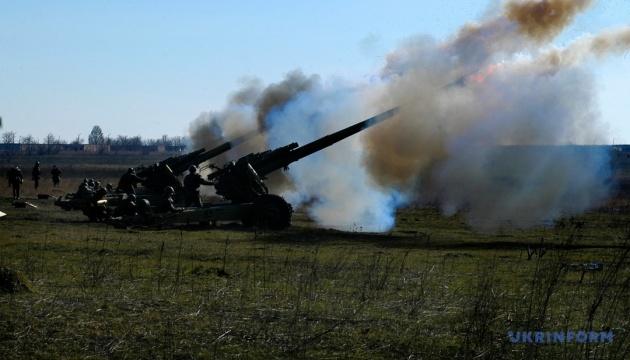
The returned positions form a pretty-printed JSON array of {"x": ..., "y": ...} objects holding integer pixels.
[{"x": 241, "y": 184}]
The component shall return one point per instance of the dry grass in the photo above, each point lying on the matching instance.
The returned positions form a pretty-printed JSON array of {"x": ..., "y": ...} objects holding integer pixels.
[{"x": 432, "y": 288}]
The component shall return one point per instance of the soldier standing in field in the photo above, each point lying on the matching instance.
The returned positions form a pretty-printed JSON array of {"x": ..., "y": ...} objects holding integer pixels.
[
  {"x": 36, "y": 174},
  {"x": 56, "y": 175},
  {"x": 15, "y": 180},
  {"x": 192, "y": 182}
]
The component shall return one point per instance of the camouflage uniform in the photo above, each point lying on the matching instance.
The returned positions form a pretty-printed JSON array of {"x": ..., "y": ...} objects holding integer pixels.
[
  {"x": 127, "y": 207},
  {"x": 168, "y": 202},
  {"x": 36, "y": 174},
  {"x": 56, "y": 175},
  {"x": 192, "y": 182},
  {"x": 15, "y": 180},
  {"x": 128, "y": 182}
]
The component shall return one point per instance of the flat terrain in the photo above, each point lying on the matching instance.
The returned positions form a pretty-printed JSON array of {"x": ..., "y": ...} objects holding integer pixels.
[{"x": 433, "y": 287}]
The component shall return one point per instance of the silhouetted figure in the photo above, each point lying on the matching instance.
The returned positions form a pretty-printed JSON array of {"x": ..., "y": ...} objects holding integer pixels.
[
  {"x": 56, "y": 176},
  {"x": 127, "y": 207},
  {"x": 168, "y": 201},
  {"x": 128, "y": 182},
  {"x": 192, "y": 182},
  {"x": 15, "y": 180},
  {"x": 36, "y": 174}
]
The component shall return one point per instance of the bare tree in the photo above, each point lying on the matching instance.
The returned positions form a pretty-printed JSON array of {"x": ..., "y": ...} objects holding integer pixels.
[
  {"x": 78, "y": 141},
  {"x": 28, "y": 139},
  {"x": 8, "y": 137},
  {"x": 50, "y": 139}
]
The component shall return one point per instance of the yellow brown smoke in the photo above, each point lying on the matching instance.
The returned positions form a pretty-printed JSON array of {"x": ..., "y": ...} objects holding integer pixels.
[{"x": 544, "y": 19}]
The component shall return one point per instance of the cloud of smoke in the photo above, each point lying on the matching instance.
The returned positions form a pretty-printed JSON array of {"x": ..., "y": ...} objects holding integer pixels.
[
  {"x": 465, "y": 100},
  {"x": 544, "y": 19},
  {"x": 480, "y": 115},
  {"x": 246, "y": 112},
  {"x": 334, "y": 182}
]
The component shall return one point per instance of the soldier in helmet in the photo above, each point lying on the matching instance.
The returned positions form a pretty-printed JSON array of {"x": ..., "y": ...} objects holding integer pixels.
[
  {"x": 168, "y": 200},
  {"x": 127, "y": 207},
  {"x": 192, "y": 182},
  {"x": 15, "y": 178},
  {"x": 56, "y": 175},
  {"x": 36, "y": 174},
  {"x": 128, "y": 182},
  {"x": 85, "y": 191}
]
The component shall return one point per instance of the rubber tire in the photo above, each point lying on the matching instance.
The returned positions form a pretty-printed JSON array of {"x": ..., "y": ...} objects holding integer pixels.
[{"x": 272, "y": 212}]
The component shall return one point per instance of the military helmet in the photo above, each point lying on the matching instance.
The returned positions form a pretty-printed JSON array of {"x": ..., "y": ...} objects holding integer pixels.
[
  {"x": 132, "y": 197},
  {"x": 192, "y": 169},
  {"x": 169, "y": 190},
  {"x": 36, "y": 162},
  {"x": 144, "y": 206},
  {"x": 130, "y": 170}
]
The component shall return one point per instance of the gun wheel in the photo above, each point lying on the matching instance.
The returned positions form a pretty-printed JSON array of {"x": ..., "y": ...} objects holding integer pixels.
[{"x": 271, "y": 211}]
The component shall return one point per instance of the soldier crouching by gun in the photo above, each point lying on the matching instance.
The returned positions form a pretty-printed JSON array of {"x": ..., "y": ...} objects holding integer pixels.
[
  {"x": 127, "y": 207},
  {"x": 167, "y": 204}
]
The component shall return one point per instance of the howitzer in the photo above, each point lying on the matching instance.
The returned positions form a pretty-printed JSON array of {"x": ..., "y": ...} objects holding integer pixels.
[
  {"x": 156, "y": 178},
  {"x": 242, "y": 181},
  {"x": 165, "y": 173}
]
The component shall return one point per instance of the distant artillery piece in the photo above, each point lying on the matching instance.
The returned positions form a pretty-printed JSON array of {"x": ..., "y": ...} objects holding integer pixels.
[
  {"x": 99, "y": 206},
  {"x": 166, "y": 172}
]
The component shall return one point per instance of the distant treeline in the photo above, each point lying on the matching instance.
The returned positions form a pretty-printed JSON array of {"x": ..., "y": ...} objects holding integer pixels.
[{"x": 97, "y": 143}]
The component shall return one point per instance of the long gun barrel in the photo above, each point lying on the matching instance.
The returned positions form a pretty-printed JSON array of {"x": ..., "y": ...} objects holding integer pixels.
[
  {"x": 179, "y": 164},
  {"x": 278, "y": 162},
  {"x": 241, "y": 181}
]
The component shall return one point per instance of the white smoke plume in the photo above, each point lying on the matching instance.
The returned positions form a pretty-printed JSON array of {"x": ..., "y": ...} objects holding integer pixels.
[
  {"x": 475, "y": 107},
  {"x": 480, "y": 115}
]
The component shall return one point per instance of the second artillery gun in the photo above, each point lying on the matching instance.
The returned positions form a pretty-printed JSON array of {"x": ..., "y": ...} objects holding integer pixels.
[
  {"x": 98, "y": 205},
  {"x": 166, "y": 172},
  {"x": 241, "y": 184}
]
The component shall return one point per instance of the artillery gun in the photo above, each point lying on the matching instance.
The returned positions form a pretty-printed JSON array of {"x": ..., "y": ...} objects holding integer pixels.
[
  {"x": 241, "y": 184},
  {"x": 98, "y": 205},
  {"x": 166, "y": 172}
]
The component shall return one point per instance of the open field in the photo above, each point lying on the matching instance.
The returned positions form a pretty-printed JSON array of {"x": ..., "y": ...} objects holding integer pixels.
[{"x": 431, "y": 288}]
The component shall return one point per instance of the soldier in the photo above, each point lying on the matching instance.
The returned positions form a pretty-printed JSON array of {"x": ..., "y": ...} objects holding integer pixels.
[
  {"x": 192, "y": 182},
  {"x": 56, "y": 175},
  {"x": 143, "y": 207},
  {"x": 15, "y": 180},
  {"x": 128, "y": 182},
  {"x": 85, "y": 191},
  {"x": 127, "y": 207},
  {"x": 168, "y": 201},
  {"x": 36, "y": 174}
]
